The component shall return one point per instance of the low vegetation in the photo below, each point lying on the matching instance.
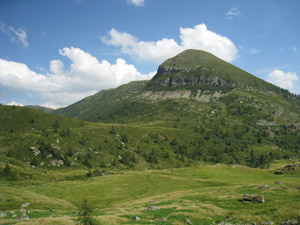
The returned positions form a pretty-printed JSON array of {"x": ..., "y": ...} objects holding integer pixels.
[{"x": 203, "y": 193}]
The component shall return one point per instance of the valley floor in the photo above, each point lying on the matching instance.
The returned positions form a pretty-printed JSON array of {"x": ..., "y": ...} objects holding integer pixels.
[{"x": 204, "y": 194}]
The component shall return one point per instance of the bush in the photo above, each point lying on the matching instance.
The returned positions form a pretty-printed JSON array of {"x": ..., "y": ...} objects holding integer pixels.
[{"x": 85, "y": 215}]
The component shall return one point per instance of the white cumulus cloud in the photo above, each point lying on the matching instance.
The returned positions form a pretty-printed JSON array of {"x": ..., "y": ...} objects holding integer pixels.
[
  {"x": 198, "y": 37},
  {"x": 233, "y": 12},
  {"x": 15, "y": 103},
  {"x": 282, "y": 79},
  {"x": 63, "y": 86},
  {"x": 136, "y": 2},
  {"x": 15, "y": 35},
  {"x": 254, "y": 51}
]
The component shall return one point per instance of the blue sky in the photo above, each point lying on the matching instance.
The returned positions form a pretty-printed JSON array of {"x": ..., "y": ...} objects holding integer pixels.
[{"x": 55, "y": 52}]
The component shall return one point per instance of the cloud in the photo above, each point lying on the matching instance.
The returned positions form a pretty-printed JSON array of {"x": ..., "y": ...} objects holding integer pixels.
[
  {"x": 21, "y": 34},
  {"x": 15, "y": 35},
  {"x": 62, "y": 86},
  {"x": 282, "y": 79},
  {"x": 233, "y": 12},
  {"x": 14, "y": 103},
  {"x": 198, "y": 37},
  {"x": 254, "y": 51},
  {"x": 294, "y": 48},
  {"x": 136, "y": 2}
]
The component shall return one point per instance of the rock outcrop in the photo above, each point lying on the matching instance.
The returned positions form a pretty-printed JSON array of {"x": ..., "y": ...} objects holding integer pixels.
[{"x": 254, "y": 198}]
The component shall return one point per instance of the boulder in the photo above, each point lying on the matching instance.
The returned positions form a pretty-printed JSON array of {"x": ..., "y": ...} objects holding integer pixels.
[
  {"x": 264, "y": 186},
  {"x": 152, "y": 208},
  {"x": 35, "y": 151},
  {"x": 254, "y": 198},
  {"x": 23, "y": 215},
  {"x": 267, "y": 223},
  {"x": 290, "y": 222},
  {"x": 188, "y": 221},
  {"x": 163, "y": 219},
  {"x": 136, "y": 218},
  {"x": 56, "y": 162},
  {"x": 2, "y": 214},
  {"x": 25, "y": 205},
  {"x": 32, "y": 148}
]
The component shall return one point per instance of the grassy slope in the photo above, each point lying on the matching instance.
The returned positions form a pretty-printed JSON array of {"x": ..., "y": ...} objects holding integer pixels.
[
  {"x": 41, "y": 108},
  {"x": 102, "y": 103},
  {"x": 228, "y": 135},
  {"x": 204, "y": 194}
]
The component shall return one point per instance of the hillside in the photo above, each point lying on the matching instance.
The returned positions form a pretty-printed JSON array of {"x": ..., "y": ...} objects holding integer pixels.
[
  {"x": 193, "y": 76},
  {"x": 100, "y": 106},
  {"x": 41, "y": 108},
  {"x": 228, "y": 112}
]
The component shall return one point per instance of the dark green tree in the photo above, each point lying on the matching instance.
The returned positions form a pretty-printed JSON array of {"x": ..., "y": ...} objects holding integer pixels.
[
  {"x": 174, "y": 142},
  {"x": 87, "y": 163},
  {"x": 125, "y": 138},
  {"x": 56, "y": 125},
  {"x": 70, "y": 152},
  {"x": 7, "y": 170},
  {"x": 262, "y": 160},
  {"x": 66, "y": 160},
  {"x": 112, "y": 130},
  {"x": 85, "y": 214}
]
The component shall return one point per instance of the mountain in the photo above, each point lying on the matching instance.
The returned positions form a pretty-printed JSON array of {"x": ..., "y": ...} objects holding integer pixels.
[
  {"x": 192, "y": 75},
  {"x": 227, "y": 111},
  {"x": 200, "y": 68},
  {"x": 196, "y": 108},
  {"x": 41, "y": 108}
]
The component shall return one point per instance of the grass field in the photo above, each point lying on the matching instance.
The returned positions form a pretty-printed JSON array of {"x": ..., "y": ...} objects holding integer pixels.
[{"x": 205, "y": 194}]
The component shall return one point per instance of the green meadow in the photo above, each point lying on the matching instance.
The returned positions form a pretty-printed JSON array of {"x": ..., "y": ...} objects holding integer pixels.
[{"x": 204, "y": 194}]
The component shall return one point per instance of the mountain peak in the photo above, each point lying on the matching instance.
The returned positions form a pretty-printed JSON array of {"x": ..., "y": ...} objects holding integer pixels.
[
  {"x": 196, "y": 67},
  {"x": 187, "y": 61}
]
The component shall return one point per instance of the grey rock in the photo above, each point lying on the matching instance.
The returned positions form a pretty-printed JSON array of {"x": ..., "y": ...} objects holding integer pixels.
[
  {"x": 188, "y": 221},
  {"x": 23, "y": 215},
  {"x": 136, "y": 218},
  {"x": 163, "y": 219},
  {"x": 25, "y": 204},
  {"x": 152, "y": 208},
  {"x": 290, "y": 222},
  {"x": 278, "y": 182},
  {"x": 57, "y": 163},
  {"x": 35, "y": 151},
  {"x": 2, "y": 214},
  {"x": 264, "y": 186},
  {"x": 267, "y": 223},
  {"x": 254, "y": 198}
]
